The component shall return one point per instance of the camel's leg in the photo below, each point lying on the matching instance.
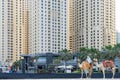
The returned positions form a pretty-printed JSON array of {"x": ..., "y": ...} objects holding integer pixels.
[
  {"x": 103, "y": 70},
  {"x": 90, "y": 73},
  {"x": 113, "y": 71},
  {"x": 86, "y": 73},
  {"x": 81, "y": 73}
]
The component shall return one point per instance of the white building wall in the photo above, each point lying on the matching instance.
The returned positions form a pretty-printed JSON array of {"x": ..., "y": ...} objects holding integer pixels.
[{"x": 48, "y": 21}]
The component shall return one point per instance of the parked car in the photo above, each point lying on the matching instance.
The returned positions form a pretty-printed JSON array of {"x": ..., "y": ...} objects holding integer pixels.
[
  {"x": 4, "y": 69},
  {"x": 95, "y": 68},
  {"x": 117, "y": 70}
]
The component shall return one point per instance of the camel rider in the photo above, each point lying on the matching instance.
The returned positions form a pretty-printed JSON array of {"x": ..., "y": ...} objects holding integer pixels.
[{"x": 89, "y": 60}]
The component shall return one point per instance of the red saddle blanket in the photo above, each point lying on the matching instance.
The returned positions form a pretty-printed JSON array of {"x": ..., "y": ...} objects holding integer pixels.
[{"x": 108, "y": 63}]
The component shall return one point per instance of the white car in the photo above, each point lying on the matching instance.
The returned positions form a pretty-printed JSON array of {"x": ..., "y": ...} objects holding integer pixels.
[
  {"x": 4, "y": 70},
  {"x": 95, "y": 68}
]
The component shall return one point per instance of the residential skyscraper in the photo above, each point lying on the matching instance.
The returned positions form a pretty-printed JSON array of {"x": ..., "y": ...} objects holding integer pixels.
[
  {"x": 20, "y": 36},
  {"x": 92, "y": 24},
  {"x": 13, "y": 30},
  {"x": 48, "y": 25},
  {"x": 6, "y": 31},
  {"x": 40, "y": 26},
  {"x": 73, "y": 25},
  {"x": 109, "y": 30}
]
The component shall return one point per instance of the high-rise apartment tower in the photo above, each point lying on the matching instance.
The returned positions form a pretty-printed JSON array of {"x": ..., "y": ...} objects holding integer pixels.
[
  {"x": 20, "y": 30},
  {"x": 13, "y": 30},
  {"x": 48, "y": 25},
  {"x": 6, "y": 31},
  {"x": 92, "y": 24}
]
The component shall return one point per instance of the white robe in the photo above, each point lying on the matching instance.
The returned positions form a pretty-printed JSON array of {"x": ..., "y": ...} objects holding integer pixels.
[{"x": 89, "y": 59}]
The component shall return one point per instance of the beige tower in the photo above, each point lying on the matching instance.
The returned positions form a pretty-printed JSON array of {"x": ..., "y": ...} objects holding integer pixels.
[
  {"x": 20, "y": 36},
  {"x": 73, "y": 19},
  {"x": 13, "y": 30},
  {"x": 109, "y": 31},
  {"x": 92, "y": 24},
  {"x": 6, "y": 31}
]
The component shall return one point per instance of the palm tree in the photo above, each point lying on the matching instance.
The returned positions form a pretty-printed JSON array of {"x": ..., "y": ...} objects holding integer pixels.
[
  {"x": 92, "y": 52},
  {"x": 96, "y": 54},
  {"x": 17, "y": 65},
  {"x": 82, "y": 54},
  {"x": 117, "y": 50},
  {"x": 109, "y": 52},
  {"x": 65, "y": 56}
]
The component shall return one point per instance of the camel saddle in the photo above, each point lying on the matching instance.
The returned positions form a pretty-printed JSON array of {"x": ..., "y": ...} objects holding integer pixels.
[{"x": 108, "y": 63}]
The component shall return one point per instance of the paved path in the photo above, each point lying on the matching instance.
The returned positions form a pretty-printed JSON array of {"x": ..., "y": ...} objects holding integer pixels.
[
  {"x": 68, "y": 79},
  {"x": 65, "y": 79},
  {"x": 53, "y": 76}
]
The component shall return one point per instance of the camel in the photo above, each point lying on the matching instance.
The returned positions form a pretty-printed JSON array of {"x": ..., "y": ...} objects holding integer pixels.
[
  {"x": 86, "y": 68},
  {"x": 105, "y": 65}
]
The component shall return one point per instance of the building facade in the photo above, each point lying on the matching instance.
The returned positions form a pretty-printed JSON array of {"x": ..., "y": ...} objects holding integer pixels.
[
  {"x": 6, "y": 31},
  {"x": 20, "y": 36},
  {"x": 40, "y": 26},
  {"x": 48, "y": 25},
  {"x": 13, "y": 30},
  {"x": 92, "y": 24},
  {"x": 109, "y": 30}
]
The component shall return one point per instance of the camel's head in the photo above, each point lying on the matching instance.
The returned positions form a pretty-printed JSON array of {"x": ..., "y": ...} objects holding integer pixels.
[
  {"x": 78, "y": 60},
  {"x": 95, "y": 60}
]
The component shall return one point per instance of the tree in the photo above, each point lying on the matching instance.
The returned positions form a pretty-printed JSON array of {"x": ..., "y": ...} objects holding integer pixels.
[
  {"x": 92, "y": 52},
  {"x": 117, "y": 50},
  {"x": 111, "y": 51},
  {"x": 17, "y": 65},
  {"x": 96, "y": 54},
  {"x": 65, "y": 55},
  {"x": 82, "y": 54}
]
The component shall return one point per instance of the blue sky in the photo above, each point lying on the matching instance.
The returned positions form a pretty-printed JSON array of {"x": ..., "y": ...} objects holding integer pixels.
[{"x": 118, "y": 15}]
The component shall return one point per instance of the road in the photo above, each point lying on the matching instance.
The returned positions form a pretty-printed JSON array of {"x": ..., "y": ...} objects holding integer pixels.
[{"x": 53, "y": 76}]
